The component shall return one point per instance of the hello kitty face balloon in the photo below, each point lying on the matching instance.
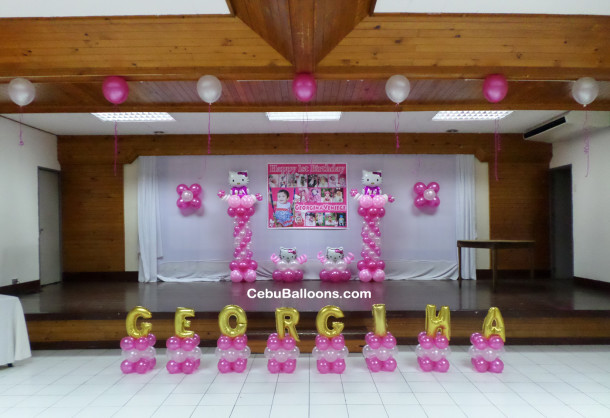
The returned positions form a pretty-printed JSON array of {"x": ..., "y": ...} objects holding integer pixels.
[
  {"x": 334, "y": 254},
  {"x": 288, "y": 254},
  {"x": 371, "y": 181},
  {"x": 239, "y": 182}
]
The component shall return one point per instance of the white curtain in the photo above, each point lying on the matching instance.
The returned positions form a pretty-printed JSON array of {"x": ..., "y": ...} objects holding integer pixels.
[
  {"x": 465, "y": 226},
  {"x": 149, "y": 236}
]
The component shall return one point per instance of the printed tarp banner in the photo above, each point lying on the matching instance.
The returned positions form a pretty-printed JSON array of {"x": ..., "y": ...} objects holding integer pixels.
[{"x": 309, "y": 195}]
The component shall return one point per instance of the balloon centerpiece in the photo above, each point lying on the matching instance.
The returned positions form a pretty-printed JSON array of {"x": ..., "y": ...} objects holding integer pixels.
[
  {"x": 426, "y": 195},
  {"x": 232, "y": 349},
  {"x": 183, "y": 353},
  {"x": 241, "y": 208},
  {"x": 330, "y": 351},
  {"x": 287, "y": 265},
  {"x": 281, "y": 351},
  {"x": 380, "y": 348},
  {"x": 371, "y": 204},
  {"x": 335, "y": 265},
  {"x": 487, "y": 347},
  {"x": 137, "y": 349},
  {"x": 188, "y": 196},
  {"x": 433, "y": 348}
]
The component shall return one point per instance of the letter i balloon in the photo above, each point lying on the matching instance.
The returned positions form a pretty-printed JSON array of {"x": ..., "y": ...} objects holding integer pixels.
[
  {"x": 330, "y": 350},
  {"x": 232, "y": 349},
  {"x": 380, "y": 347},
  {"x": 241, "y": 208},
  {"x": 138, "y": 348},
  {"x": 433, "y": 348},
  {"x": 371, "y": 204},
  {"x": 183, "y": 353},
  {"x": 282, "y": 352}
]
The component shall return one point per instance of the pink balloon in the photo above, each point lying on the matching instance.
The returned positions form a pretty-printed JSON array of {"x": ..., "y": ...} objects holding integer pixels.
[
  {"x": 366, "y": 202},
  {"x": 196, "y": 203},
  {"x": 419, "y": 187},
  {"x": 325, "y": 275},
  {"x": 425, "y": 364},
  {"x": 173, "y": 343},
  {"x": 495, "y": 342},
  {"x": 426, "y": 342},
  {"x": 182, "y": 204},
  {"x": 236, "y": 276},
  {"x": 479, "y": 364},
  {"x": 196, "y": 189},
  {"x": 379, "y": 275},
  {"x": 181, "y": 188},
  {"x": 289, "y": 366},
  {"x": 420, "y": 201},
  {"x": 373, "y": 364},
  {"x": 247, "y": 201},
  {"x": 115, "y": 89},
  {"x": 188, "y": 366},
  {"x": 289, "y": 275},
  {"x": 239, "y": 342},
  {"x": 362, "y": 211},
  {"x": 196, "y": 338},
  {"x": 435, "y": 202},
  {"x": 389, "y": 365},
  {"x": 322, "y": 342},
  {"x": 240, "y": 365},
  {"x": 323, "y": 366},
  {"x": 365, "y": 275},
  {"x": 381, "y": 213},
  {"x": 304, "y": 87},
  {"x": 442, "y": 365},
  {"x": 234, "y": 201},
  {"x": 434, "y": 186},
  {"x": 375, "y": 342},
  {"x": 273, "y": 342},
  {"x": 273, "y": 366},
  {"x": 288, "y": 343},
  {"x": 223, "y": 366},
  {"x": 231, "y": 212},
  {"x": 338, "y": 366},
  {"x": 250, "y": 276},
  {"x": 127, "y": 343},
  {"x": 378, "y": 201},
  {"x": 188, "y": 344},
  {"x": 142, "y": 366},
  {"x": 441, "y": 341},
  {"x": 338, "y": 342},
  {"x": 127, "y": 367},
  {"x": 152, "y": 339},
  {"x": 475, "y": 336},
  {"x": 224, "y": 342},
  {"x": 496, "y": 366},
  {"x": 389, "y": 341},
  {"x": 495, "y": 88}
]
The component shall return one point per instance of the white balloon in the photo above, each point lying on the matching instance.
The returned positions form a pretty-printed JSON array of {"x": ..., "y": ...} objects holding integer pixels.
[
  {"x": 179, "y": 355},
  {"x": 341, "y": 265},
  {"x": 281, "y": 355},
  {"x": 149, "y": 352},
  {"x": 231, "y": 355},
  {"x": 489, "y": 354},
  {"x": 434, "y": 354},
  {"x": 282, "y": 265},
  {"x": 429, "y": 194},
  {"x": 196, "y": 353},
  {"x": 269, "y": 353},
  {"x": 21, "y": 91},
  {"x": 585, "y": 90},
  {"x": 397, "y": 88},
  {"x": 294, "y": 353},
  {"x": 317, "y": 353},
  {"x": 383, "y": 354},
  {"x": 209, "y": 88},
  {"x": 343, "y": 352},
  {"x": 420, "y": 351},
  {"x": 187, "y": 195},
  {"x": 331, "y": 355},
  {"x": 245, "y": 352}
]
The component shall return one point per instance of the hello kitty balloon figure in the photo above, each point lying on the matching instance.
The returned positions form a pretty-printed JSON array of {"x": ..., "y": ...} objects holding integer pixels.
[
  {"x": 371, "y": 204},
  {"x": 287, "y": 265},
  {"x": 335, "y": 265},
  {"x": 241, "y": 208}
]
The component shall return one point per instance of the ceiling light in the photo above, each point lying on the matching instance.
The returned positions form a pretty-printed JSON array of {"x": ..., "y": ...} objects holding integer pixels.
[
  {"x": 303, "y": 116},
  {"x": 470, "y": 115},
  {"x": 134, "y": 117}
]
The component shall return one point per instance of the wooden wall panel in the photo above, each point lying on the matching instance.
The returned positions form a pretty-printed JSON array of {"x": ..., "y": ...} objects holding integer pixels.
[{"x": 93, "y": 227}]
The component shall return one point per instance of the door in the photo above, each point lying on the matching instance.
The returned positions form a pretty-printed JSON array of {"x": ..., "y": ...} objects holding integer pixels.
[
  {"x": 562, "y": 241},
  {"x": 49, "y": 221}
]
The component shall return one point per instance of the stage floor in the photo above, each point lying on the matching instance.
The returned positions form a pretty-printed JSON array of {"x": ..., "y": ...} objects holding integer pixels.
[{"x": 109, "y": 299}]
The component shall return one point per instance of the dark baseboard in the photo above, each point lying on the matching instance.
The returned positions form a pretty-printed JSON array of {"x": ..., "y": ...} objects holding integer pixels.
[
  {"x": 486, "y": 274},
  {"x": 101, "y": 276},
  {"x": 21, "y": 288},
  {"x": 594, "y": 284}
]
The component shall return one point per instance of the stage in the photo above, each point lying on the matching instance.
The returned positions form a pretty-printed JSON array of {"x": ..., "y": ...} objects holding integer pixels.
[{"x": 91, "y": 313}]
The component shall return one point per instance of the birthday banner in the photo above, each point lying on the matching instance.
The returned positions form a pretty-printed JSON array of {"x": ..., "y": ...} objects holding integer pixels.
[{"x": 307, "y": 196}]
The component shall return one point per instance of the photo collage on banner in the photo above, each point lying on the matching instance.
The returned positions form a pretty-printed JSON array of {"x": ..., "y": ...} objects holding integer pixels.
[{"x": 308, "y": 196}]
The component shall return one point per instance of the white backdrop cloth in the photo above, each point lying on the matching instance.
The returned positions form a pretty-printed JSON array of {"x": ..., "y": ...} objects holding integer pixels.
[
  {"x": 416, "y": 244},
  {"x": 14, "y": 341}
]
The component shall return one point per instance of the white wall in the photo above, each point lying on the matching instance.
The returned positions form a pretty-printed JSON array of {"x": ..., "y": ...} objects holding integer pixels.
[
  {"x": 19, "y": 194},
  {"x": 481, "y": 189},
  {"x": 591, "y": 202}
]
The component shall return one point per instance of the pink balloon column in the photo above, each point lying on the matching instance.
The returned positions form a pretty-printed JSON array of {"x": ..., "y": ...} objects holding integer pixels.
[
  {"x": 371, "y": 204},
  {"x": 330, "y": 354},
  {"x": 281, "y": 354},
  {"x": 139, "y": 354},
  {"x": 379, "y": 352},
  {"x": 432, "y": 352},
  {"x": 287, "y": 265},
  {"x": 232, "y": 353},
  {"x": 335, "y": 265},
  {"x": 184, "y": 355},
  {"x": 485, "y": 353},
  {"x": 426, "y": 195},
  {"x": 241, "y": 208},
  {"x": 188, "y": 196}
]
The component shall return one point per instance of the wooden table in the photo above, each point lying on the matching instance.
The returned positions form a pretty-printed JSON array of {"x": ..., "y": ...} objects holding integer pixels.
[{"x": 494, "y": 245}]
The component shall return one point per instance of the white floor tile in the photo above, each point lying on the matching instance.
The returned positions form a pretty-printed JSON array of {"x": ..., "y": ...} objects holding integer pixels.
[
  {"x": 325, "y": 387},
  {"x": 57, "y": 412},
  {"x": 366, "y": 411},
  {"x": 97, "y": 412},
  {"x": 402, "y": 411},
  {"x": 255, "y": 399},
  {"x": 295, "y": 411},
  {"x": 324, "y": 398},
  {"x": 362, "y": 399},
  {"x": 398, "y": 399},
  {"x": 434, "y": 399},
  {"x": 142, "y": 411},
  {"x": 481, "y": 411},
  {"x": 328, "y": 411},
  {"x": 183, "y": 399},
  {"x": 216, "y": 411},
  {"x": 296, "y": 398},
  {"x": 221, "y": 399},
  {"x": 251, "y": 411},
  {"x": 592, "y": 411},
  {"x": 174, "y": 411},
  {"x": 443, "y": 411},
  {"x": 23, "y": 412}
]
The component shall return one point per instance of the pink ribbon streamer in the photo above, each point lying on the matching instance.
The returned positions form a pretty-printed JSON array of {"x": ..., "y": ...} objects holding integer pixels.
[
  {"x": 587, "y": 139},
  {"x": 497, "y": 146},
  {"x": 20, "y": 130},
  {"x": 305, "y": 126},
  {"x": 396, "y": 126},
  {"x": 209, "y": 128},
  {"x": 116, "y": 144}
]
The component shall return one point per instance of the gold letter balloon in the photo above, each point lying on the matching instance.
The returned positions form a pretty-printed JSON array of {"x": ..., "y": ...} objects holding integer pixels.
[
  {"x": 433, "y": 348},
  {"x": 487, "y": 347},
  {"x": 330, "y": 350},
  {"x": 281, "y": 352},
  {"x": 232, "y": 349},
  {"x": 380, "y": 347},
  {"x": 138, "y": 349},
  {"x": 183, "y": 352}
]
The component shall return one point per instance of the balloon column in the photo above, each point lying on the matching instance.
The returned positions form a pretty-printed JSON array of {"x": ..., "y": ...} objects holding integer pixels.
[
  {"x": 188, "y": 196},
  {"x": 380, "y": 347},
  {"x": 426, "y": 195},
  {"x": 21, "y": 92},
  {"x": 335, "y": 265},
  {"x": 232, "y": 348},
  {"x": 281, "y": 352},
  {"x": 209, "y": 89},
  {"x": 433, "y": 348},
  {"x": 241, "y": 208},
  {"x": 287, "y": 265},
  {"x": 138, "y": 348},
  {"x": 183, "y": 353},
  {"x": 330, "y": 350},
  {"x": 371, "y": 204},
  {"x": 487, "y": 348}
]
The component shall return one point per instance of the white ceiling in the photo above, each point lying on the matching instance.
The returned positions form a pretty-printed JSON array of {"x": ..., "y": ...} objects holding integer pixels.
[
  {"x": 244, "y": 123},
  {"x": 568, "y": 7}
]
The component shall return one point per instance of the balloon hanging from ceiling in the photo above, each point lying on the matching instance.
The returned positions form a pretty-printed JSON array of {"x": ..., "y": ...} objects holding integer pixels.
[
  {"x": 585, "y": 91},
  {"x": 209, "y": 89},
  {"x": 304, "y": 87},
  {"x": 116, "y": 91},
  {"x": 495, "y": 88},
  {"x": 397, "y": 88},
  {"x": 22, "y": 92}
]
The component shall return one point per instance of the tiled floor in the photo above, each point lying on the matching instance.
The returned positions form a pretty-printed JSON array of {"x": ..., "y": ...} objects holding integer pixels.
[{"x": 551, "y": 381}]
